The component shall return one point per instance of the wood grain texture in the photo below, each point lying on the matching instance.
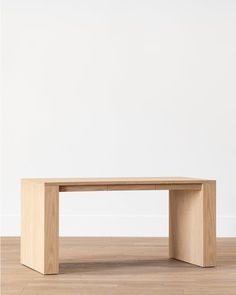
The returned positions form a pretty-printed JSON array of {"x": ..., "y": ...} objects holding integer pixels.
[
  {"x": 192, "y": 225},
  {"x": 51, "y": 230},
  {"x": 209, "y": 223},
  {"x": 39, "y": 227},
  {"x": 119, "y": 266},
  {"x": 127, "y": 187},
  {"x": 32, "y": 225},
  {"x": 82, "y": 188},
  {"x": 192, "y": 216},
  {"x": 185, "y": 226},
  {"x": 120, "y": 180}
]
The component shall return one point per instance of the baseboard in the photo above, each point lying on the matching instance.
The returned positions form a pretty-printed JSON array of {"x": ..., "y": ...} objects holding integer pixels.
[{"x": 115, "y": 225}]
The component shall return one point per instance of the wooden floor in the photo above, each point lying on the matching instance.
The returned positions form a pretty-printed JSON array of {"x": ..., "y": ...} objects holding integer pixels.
[{"x": 106, "y": 266}]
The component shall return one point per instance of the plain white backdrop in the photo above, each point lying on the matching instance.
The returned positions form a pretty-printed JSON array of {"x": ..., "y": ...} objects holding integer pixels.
[{"x": 118, "y": 88}]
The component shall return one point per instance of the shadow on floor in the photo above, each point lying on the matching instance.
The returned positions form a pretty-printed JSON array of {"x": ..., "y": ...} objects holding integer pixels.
[{"x": 79, "y": 267}]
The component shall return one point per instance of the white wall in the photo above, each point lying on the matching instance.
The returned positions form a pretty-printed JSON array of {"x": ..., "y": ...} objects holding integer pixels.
[{"x": 119, "y": 88}]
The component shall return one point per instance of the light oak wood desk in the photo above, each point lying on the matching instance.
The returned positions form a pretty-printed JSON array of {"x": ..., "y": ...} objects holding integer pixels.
[{"x": 192, "y": 216}]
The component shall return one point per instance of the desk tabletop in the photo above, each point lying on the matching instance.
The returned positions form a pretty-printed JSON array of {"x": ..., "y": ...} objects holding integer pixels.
[{"x": 119, "y": 180}]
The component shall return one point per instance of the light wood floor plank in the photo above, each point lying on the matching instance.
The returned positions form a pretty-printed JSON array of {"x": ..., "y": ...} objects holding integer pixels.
[{"x": 102, "y": 266}]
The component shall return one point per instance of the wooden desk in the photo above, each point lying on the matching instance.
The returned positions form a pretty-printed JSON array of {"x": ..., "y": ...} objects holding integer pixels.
[{"x": 192, "y": 216}]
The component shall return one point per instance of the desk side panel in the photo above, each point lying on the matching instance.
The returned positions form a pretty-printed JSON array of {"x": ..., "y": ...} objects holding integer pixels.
[{"x": 32, "y": 225}]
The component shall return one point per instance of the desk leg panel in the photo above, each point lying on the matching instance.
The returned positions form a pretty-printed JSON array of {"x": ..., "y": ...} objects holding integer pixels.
[
  {"x": 39, "y": 227},
  {"x": 192, "y": 225}
]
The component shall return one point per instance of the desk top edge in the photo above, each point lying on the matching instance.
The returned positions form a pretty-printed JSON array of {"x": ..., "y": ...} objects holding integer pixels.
[{"x": 117, "y": 180}]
